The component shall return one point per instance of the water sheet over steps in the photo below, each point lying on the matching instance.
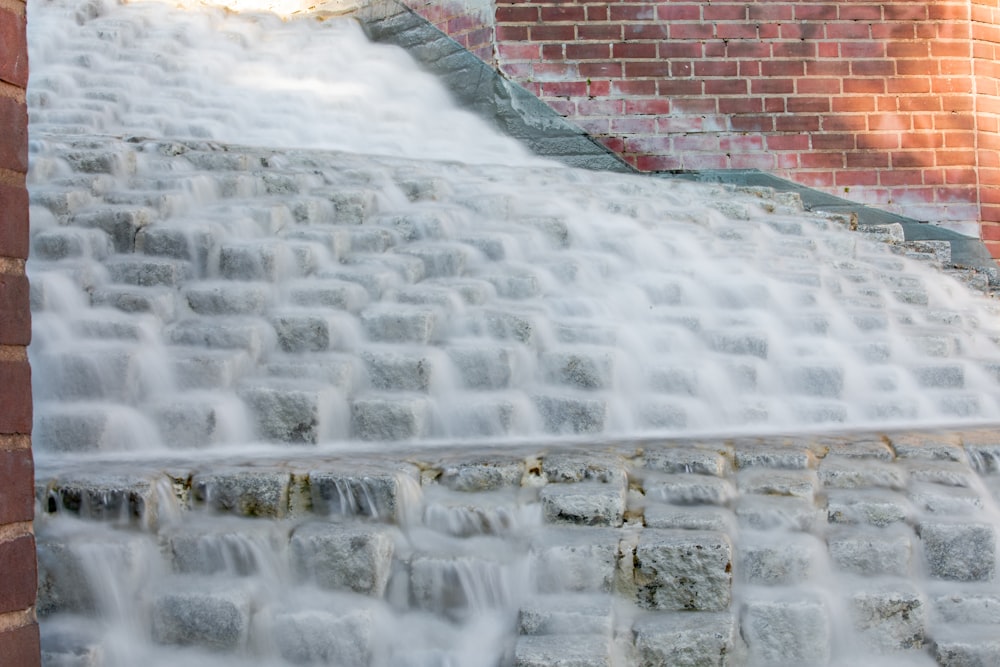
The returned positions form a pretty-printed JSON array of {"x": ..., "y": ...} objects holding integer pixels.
[{"x": 275, "y": 274}]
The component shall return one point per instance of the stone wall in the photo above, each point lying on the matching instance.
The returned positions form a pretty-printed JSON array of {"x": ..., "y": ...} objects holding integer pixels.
[{"x": 18, "y": 627}]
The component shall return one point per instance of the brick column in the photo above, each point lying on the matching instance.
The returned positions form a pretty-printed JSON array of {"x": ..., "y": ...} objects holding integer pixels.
[{"x": 19, "y": 643}]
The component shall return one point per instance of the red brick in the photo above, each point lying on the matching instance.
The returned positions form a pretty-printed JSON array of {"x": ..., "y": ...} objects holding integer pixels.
[
  {"x": 693, "y": 105},
  {"x": 597, "y": 12},
  {"x": 679, "y": 124},
  {"x": 912, "y": 159},
  {"x": 782, "y": 68},
  {"x": 601, "y": 70},
  {"x": 872, "y": 68},
  {"x": 735, "y": 31},
  {"x": 13, "y": 222},
  {"x": 961, "y": 175},
  {"x": 749, "y": 49},
  {"x": 18, "y": 583},
  {"x": 870, "y": 86},
  {"x": 855, "y": 177},
  {"x": 741, "y": 105},
  {"x": 17, "y": 481},
  {"x": 517, "y": 14},
  {"x": 763, "y": 161},
  {"x": 641, "y": 125},
  {"x": 951, "y": 158},
  {"x": 844, "y": 123},
  {"x": 796, "y": 123},
  {"x": 818, "y": 86},
  {"x": 655, "y": 68},
  {"x": 588, "y": 51},
  {"x": 678, "y": 12},
  {"x": 15, "y": 397},
  {"x": 13, "y": 49},
  {"x": 788, "y": 142},
  {"x": 704, "y": 161},
  {"x": 772, "y": 86},
  {"x": 826, "y": 142},
  {"x": 645, "y": 31},
  {"x": 867, "y": 49},
  {"x": 726, "y": 87},
  {"x": 860, "y": 12},
  {"x": 883, "y": 140},
  {"x": 510, "y": 51},
  {"x": 627, "y": 87},
  {"x": 673, "y": 50},
  {"x": 728, "y": 68},
  {"x": 552, "y": 33},
  {"x": 807, "y": 104},
  {"x": 844, "y": 30},
  {"x": 691, "y": 31},
  {"x": 608, "y": 31},
  {"x": 919, "y": 49},
  {"x": 921, "y": 140},
  {"x": 770, "y": 12},
  {"x": 647, "y": 107},
  {"x": 742, "y": 144},
  {"x": 902, "y": 177},
  {"x": 657, "y": 162},
  {"x": 893, "y": 31},
  {"x": 564, "y": 13},
  {"x": 510, "y": 33},
  {"x": 613, "y": 144},
  {"x": 805, "y": 12},
  {"x": 815, "y": 180},
  {"x": 923, "y": 103},
  {"x": 748, "y": 68},
  {"x": 794, "y": 50},
  {"x": 15, "y": 314},
  {"x": 655, "y": 145},
  {"x": 751, "y": 123},
  {"x": 922, "y": 67},
  {"x": 867, "y": 160},
  {"x": 14, "y": 137},
  {"x": 20, "y": 647},
  {"x": 828, "y": 68},
  {"x": 943, "y": 10},
  {"x": 952, "y": 84},
  {"x": 564, "y": 88},
  {"x": 598, "y": 107},
  {"x": 960, "y": 140},
  {"x": 822, "y": 160},
  {"x": 774, "y": 104},
  {"x": 906, "y": 11},
  {"x": 847, "y": 104},
  {"x": 889, "y": 122},
  {"x": 631, "y": 50},
  {"x": 909, "y": 84},
  {"x": 553, "y": 52},
  {"x": 809, "y": 31},
  {"x": 633, "y": 12},
  {"x": 724, "y": 12}
]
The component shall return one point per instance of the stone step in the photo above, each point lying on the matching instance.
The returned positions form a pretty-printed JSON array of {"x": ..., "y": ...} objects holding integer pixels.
[{"x": 63, "y": 242}]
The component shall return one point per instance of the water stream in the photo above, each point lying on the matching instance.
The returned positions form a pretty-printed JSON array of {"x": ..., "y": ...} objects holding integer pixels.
[{"x": 261, "y": 236}]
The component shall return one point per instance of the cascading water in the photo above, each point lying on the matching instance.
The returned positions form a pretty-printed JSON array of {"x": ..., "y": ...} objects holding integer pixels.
[{"x": 271, "y": 262}]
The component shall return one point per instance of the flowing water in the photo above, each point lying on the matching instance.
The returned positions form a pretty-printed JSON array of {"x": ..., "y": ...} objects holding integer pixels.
[{"x": 274, "y": 238}]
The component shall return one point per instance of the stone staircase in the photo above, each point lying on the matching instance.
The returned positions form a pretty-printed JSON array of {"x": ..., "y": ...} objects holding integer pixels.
[{"x": 752, "y": 551}]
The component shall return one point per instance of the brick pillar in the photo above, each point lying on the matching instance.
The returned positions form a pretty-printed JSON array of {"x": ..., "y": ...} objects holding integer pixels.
[{"x": 19, "y": 643}]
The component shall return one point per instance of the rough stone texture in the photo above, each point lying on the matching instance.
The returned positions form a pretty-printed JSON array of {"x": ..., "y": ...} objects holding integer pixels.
[
  {"x": 959, "y": 551},
  {"x": 872, "y": 553},
  {"x": 376, "y": 493},
  {"x": 481, "y": 473},
  {"x": 209, "y": 615},
  {"x": 587, "y": 503},
  {"x": 683, "y": 570},
  {"x": 247, "y": 492},
  {"x": 967, "y": 647},
  {"x": 344, "y": 556},
  {"x": 786, "y": 633},
  {"x": 293, "y": 411},
  {"x": 890, "y": 619},
  {"x": 777, "y": 560},
  {"x": 577, "y": 559},
  {"x": 682, "y": 489},
  {"x": 567, "y": 615},
  {"x": 688, "y": 639},
  {"x": 313, "y": 636},
  {"x": 562, "y": 651},
  {"x": 389, "y": 417}
]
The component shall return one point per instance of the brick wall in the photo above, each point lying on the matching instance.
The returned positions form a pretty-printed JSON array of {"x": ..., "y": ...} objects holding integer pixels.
[
  {"x": 18, "y": 627},
  {"x": 468, "y": 22},
  {"x": 986, "y": 68}
]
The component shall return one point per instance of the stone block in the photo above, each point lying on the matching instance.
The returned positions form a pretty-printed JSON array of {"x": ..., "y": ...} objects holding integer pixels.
[
  {"x": 890, "y": 618},
  {"x": 586, "y": 503},
  {"x": 454, "y": 585},
  {"x": 440, "y": 259},
  {"x": 854, "y": 474},
  {"x": 945, "y": 473},
  {"x": 108, "y": 495},
  {"x": 946, "y": 500},
  {"x": 308, "y": 330},
  {"x": 64, "y": 646},
  {"x": 772, "y": 512},
  {"x": 392, "y": 369},
  {"x": 689, "y": 489},
  {"x": 400, "y": 324},
  {"x": 65, "y": 242},
  {"x": 343, "y": 556},
  {"x": 691, "y": 459},
  {"x": 824, "y": 381},
  {"x": 761, "y": 455},
  {"x": 319, "y": 293},
  {"x": 788, "y": 560},
  {"x": 928, "y": 447},
  {"x": 485, "y": 367},
  {"x": 656, "y": 515},
  {"x": 568, "y": 614},
  {"x": 267, "y": 261},
  {"x": 482, "y": 473},
  {"x": 794, "y": 483},
  {"x": 967, "y": 647},
  {"x": 377, "y": 493},
  {"x": 200, "y": 368},
  {"x": 516, "y": 284},
  {"x": 218, "y": 546},
  {"x": 229, "y": 298},
  {"x": 963, "y": 608},
  {"x": 121, "y": 223},
  {"x": 209, "y": 614},
  {"x": 252, "y": 335},
  {"x": 877, "y": 507},
  {"x": 749, "y": 343},
  {"x": 787, "y": 633},
  {"x": 581, "y": 369},
  {"x": 244, "y": 491},
  {"x": 560, "y": 465},
  {"x": 571, "y": 414},
  {"x": 687, "y": 639},
  {"x": 322, "y": 637},
  {"x": 389, "y": 418},
  {"x": 291, "y": 411},
  {"x": 191, "y": 243},
  {"x": 562, "y": 651},
  {"x": 939, "y": 376},
  {"x": 484, "y": 415},
  {"x": 196, "y": 419},
  {"x": 158, "y": 301},
  {"x": 959, "y": 551},
  {"x": 577, "y": 559},
  {"x": 683, "y": 570},
  {"x": 872, "y": 553}
]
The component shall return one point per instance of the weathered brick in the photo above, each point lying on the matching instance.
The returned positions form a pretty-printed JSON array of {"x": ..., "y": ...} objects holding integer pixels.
[
  {"x": 14, "y": 138},
  {"x": 15, "y": 396},
  {"x": 15, "y": 314},
  {"x": 17, "y": 481},
  {"x": 21, "y": 646},
  {"x": 13, "y": 49},
  {"x": 17, "y": 562}
]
